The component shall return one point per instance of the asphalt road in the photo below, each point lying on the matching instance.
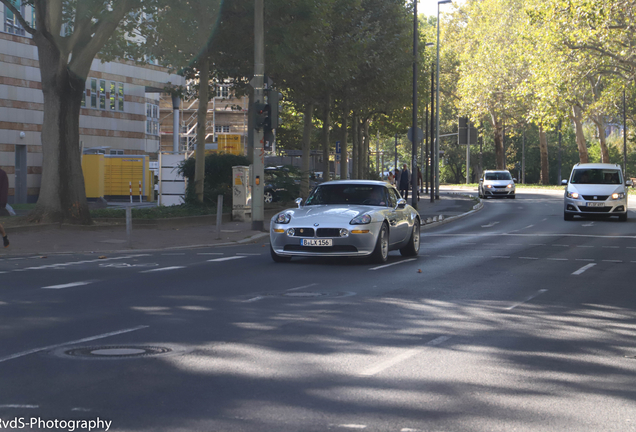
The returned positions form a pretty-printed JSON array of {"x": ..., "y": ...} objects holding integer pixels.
[{"x": 509, "y": 319}]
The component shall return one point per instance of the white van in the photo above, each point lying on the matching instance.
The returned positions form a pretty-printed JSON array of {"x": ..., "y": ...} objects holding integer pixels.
[{"x": 596, "y": 189}]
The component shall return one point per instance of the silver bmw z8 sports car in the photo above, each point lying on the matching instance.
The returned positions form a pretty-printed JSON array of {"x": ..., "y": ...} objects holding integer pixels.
[{"x": 347, "y": 218}]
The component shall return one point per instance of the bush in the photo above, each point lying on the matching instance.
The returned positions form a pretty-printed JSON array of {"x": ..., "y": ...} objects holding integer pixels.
[{"x": 218, "y": 177}]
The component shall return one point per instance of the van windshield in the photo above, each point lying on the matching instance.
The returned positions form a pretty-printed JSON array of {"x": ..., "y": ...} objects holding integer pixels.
[
  {"x": 498, "y": 176},
  {"x": 596, "y": 176}
]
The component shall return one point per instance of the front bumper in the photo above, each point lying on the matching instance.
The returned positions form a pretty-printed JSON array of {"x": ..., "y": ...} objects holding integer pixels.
[
  {"x": 496, "y": 191},
  {"x": 351, "y": 245},
  {"x": 611, "y": 207}
]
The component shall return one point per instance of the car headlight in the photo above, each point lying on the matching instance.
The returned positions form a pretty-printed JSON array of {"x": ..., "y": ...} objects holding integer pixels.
[
  {"x": 489, "y": 186},
  {"x": 619, "y": 195},
  {"x": 282, "y": 218},
  {"x": 510, "y": 186},
  {"x": 361, "y": 220},
  {"x": 573, "y": 195}
]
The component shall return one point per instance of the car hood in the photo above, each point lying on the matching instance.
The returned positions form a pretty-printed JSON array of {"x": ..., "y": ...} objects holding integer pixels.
[
  {"x": 336, "y": 215},
  {"x": 498, "y": 182},
  {"x": 595, "y": 189}
]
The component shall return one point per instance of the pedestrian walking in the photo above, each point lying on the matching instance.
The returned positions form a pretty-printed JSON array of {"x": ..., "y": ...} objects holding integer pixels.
[
  {"x": 4, "y": 196},
  {"x": 391, "y": 178},
  {"x": 404, "y": 182}
]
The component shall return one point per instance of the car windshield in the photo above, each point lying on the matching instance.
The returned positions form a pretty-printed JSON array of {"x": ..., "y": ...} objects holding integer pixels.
[
  {"x": 596, "y": 176},
  {"x": 348, "y": 194},
  {"x": 498, "y": 176}
]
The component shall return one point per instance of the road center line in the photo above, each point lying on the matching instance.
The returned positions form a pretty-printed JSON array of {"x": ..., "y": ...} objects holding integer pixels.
[
  {"x": 254, "y": 299},
  {"x": 558, "y": 259},
  {"x": 499, "y": 256},
  {"x": 20, "y": 406},
  {"x": 227, "y": 258},
  {"x": 162, "y": 269},
  {"x": 68, "y": 285},
  {"x": 529, "y": 258},
  {"x": 379, "y": 367},
  {"x": 613, "y": 261},
  {"x": 582, "y": 269},
  {"x": 392, "y": 264},
  {"x": 527, "y": 300},
  {"x": 88, "y": 339}
]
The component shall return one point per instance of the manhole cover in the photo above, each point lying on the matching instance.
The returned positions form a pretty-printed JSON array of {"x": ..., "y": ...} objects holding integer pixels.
[
  {"x": 304, "y": 294},
  {"x": 116, "y": 351}
]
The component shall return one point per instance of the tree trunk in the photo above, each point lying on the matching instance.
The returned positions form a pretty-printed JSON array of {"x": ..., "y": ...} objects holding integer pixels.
[
  {"x": 499, "y": 150},
  {"x": 367, "y": 154},
  {"x": 62, "y": 192},
  {"x": 304, "y": 180},
  {"x": 202, "y": 120},
  {"x": 354, "y": 141},
  {"x": 344, "y": 166},
  {"x": 577, "y": 118},
  {"x": 326, "y": 125},
  {"x": 600, "y": 126},
  {"x": 543, "y": 147}
]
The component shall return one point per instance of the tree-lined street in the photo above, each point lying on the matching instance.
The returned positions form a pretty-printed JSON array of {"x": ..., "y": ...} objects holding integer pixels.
[{"x": 518, "y": 320}]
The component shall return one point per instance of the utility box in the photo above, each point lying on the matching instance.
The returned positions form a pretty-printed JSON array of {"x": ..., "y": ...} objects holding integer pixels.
[
  {"x": 124, "y": 172},
  {"x": 241, "y": 193},
  {"x": 93, "y": 167}
]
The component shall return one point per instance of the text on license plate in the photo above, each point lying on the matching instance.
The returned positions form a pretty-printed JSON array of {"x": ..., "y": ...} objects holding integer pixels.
[
  {"x": 596, "y": 204},
  {"x": 316, "y": 242}
]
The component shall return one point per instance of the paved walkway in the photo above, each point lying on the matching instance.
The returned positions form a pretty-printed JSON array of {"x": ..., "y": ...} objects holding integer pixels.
[{"x": 43, "y": 240}]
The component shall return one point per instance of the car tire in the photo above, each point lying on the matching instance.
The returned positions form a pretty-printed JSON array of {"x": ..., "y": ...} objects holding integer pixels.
[
  {"x": 622, "y": 217},
  {"x": 268, "y": 197},
  {"x": 512, "y": 196},
  {"x": 568, "y": 216},
  {"x": 413, "y": 246},
  {"x": 277, "y": 258},
  {"x": 381, "y": 252}
]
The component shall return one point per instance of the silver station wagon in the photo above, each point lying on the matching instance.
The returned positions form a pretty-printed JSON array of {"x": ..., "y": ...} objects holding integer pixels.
[{"x": 347, "y": 218}]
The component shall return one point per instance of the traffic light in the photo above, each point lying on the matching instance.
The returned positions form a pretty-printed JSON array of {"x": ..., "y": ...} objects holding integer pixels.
[
  {"x": 262, "y": 116},
  {"x": 274, "y": 101}
]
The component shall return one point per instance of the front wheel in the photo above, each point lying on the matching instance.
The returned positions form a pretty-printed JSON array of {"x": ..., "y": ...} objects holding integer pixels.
[
  {"x": 623, "y": 217},
  {"x": 568, "y": 217},
  {"x": 277, "y": 258},
  {"x": 381, "y": 252},
  {"x": 413, "y": 246},
  {"x": 268, "y": 197}
]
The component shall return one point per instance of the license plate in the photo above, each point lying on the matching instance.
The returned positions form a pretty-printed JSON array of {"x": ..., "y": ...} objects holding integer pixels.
[
  {"x": 316, "y": 242},
  {"x": 596, "y": 204}
]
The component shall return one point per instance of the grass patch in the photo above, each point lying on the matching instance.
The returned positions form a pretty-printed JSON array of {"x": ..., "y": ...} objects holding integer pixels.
[{"x": 163, "y": 212}]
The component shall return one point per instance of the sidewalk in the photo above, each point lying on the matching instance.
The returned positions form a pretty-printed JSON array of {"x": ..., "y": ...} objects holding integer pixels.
[{"x": 175, "y": 234}]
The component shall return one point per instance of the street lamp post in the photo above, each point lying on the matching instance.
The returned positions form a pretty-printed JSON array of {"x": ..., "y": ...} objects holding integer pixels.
[
  {"x": 436, "y": 155},
  {"x": 415, "y": 135}
]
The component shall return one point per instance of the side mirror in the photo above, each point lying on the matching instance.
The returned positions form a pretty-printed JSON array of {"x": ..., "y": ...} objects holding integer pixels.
[
  {"x": 401, "y": 203},
  {"x": 629, "y": 183},
  {"x": 514, "y": 180},
  {"x": 564, "y": 182},
  {"x": 481, "y": 180},
  {"x": 299, "y": 201}
]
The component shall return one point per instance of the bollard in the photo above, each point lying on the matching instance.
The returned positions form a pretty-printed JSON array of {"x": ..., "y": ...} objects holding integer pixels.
[
  {"x": 140, "y": 194},
  {"x": 130, "y": 187},
  {"x": 129, "y": 226},
  {"x": 219, "y": 215}
]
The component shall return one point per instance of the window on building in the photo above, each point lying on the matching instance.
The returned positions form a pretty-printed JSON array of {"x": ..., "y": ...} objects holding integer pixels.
[
  {"x": 222, "y": 91},
  {"x": 117, "y": 152},
  {"x": 221, "y": 129},
  {"x": 152, "y": 119},
  {"x": 11, "y": 23},
  {"x": 112, "y": 95},
  {"x": 102, "y": 94},
  {"x": 84, "y": 97},
  {"x": 93, "y": 93},
  {"x": 120, "y": 96}
]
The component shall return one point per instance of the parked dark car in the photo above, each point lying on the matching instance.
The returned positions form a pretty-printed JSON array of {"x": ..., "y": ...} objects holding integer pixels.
[{"x": 280, "y": 185}]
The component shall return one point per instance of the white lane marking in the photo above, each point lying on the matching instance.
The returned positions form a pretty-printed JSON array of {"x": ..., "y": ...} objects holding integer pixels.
[
  {"x": 613, "y": 261},
  {"x": 163, "y": 269},
  {"x": 558, "y": 259},
  {"x": 20, "y": 406},
  {"x": 173, "y": 254},
  {"x": 631, "y": 247},
  {"x": 584, "y": 246},
  {"x": 529, "y": 258},
  {"x": 379, "y": 367},
  {"x": 490, "y": 225},
  {"x": 527, "y": 300},
  {"x": 611, "y": 247},
  {"x": 543, "y": 220},
  {"x": 1, "y": 272},
  {"x": 491, "y": 244},
  {"x": 392, "y": 264},
  {"x": 210, "y": 253},
  {"x": 302, "y": 287},
  {"x": 529, "y": 226},
  {"x": 81, "y": 262},
  {"x": 15, "y": 259},
  {"x": 585, "y": 259},
  {"x": 248, "y": 254},
  {"x": 588, "y": 224},
  {"x": 560, "y": 245},
  {"x": 227, "y": 258},
  {"x": 446, "y": 256},
  {"x": 82, "y": 409},
  {"x": 499, "y": 256},
  {"x": 537, "y": 244},
  {"x": 63, "y": 344},
  {"x": 349, "y": 426},
  {"x": 582, "y": 269},
  {"x": 68, "y": 285},
  {"x": 254, "y": 299}
]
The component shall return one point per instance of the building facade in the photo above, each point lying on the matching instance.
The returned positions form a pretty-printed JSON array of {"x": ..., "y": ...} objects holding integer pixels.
[{"x": 120, "y": 110}]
